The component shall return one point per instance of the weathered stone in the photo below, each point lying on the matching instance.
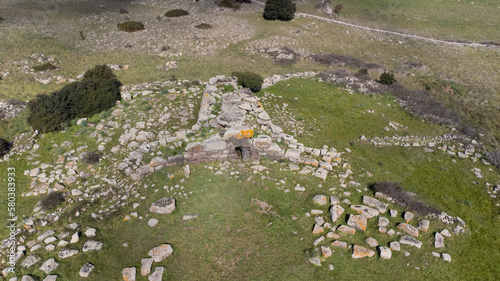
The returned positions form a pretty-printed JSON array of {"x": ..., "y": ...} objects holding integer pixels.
[
  {"x": 66, "y": 253},
  {"x": 371, "y": 242},
  {"x": 292, "y": 154},
  {"x": 50, "y": 278},
  {"x": 50, "y": 240},
  {"x": 383, "y": 221},
  {"x": 315, "y": 261},
  {"x": 408, "y": 240},
  {"x": 408, "y": 216},
  {"x": 394, "y": 213},
  {"x": 321, "y": 173},
  {"x": 75, "y": 238},
  {"x": 446, "y": 233},
  {"x": 85, "y": 270},
  {"x": 152, "y": 222},
  {"x": 394, "y": 245},
  {"x": 438, "y": 241},
  {"x": 326, "y": 251},
  {"x": 346, "y": 229},
  {"x": 161, "y": 252},
  {"x": 334, "y": 200},
  {"x": 413, "y": 231},
  {"x": 320, "y": 200},
  {"x": 365, "y": 211},
  {"x": 423, "y": 225},
  {"x": 319, "y": 240},
  {"x": 165, "y": 205},
  {"x": 214, "y": 143},
  {"x": 372, "y": 202},
  {"x": 45, "y": 235},
  {"x": 446, "y": 257},
  {"x": 340, "y": 244},
  {"x": 335, "y": 212},
  {"x": 187, "y": 171},
  {"x": 357, "y": 221},
  {"x": 48, "y": 266},
  {"x": 319, "y": 220},
  {"x": 129, "y": 274},
  {"x": 385, "y": 252},
  {"x": 30, "y": 260},
  {"x": 435, "y": 254},
  {"x": 92, "y": 245},
  {"x": 157, "y": 162},
  {"x": 146, "y": 266},
  {"x": 90, "y": 232},
  {"x": 27, "y": 278},
  {"x": 332, "y": 235},
  {"x": 189, "y": 217},
  {"x": 361, "y": 252},
  {"x": 240, "y": 132},
  {"x": 157, "y": 274},
  {"x": 318, "y": 229}
]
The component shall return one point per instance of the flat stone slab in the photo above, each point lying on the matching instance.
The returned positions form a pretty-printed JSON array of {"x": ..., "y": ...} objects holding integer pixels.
[
  {"x": 408, "y": 240},
  {"x": 385, "y": 252},
  {"x": 146, "y": 266},
  {"x": 31, "y": 260},
  {"x": 66, "y": 253},
  {"x": 85, "y": 270},
  {"x": 366, "y": 211},
  {"x": 357, "y": 221},
  {"x": 129, "y": 274},
  {"x": 346, "y": 229},
  {"x": 377, "y": 204},
  {"x": 161, "y": 252},
  {"x": 413, "y": 231},
  {"x": 48, "y": 266},
  {"x": 423, "y": 225},
  {"x": 340, "y": 244},
  {"x": 438, "y": 241},
  {"x": 164, "y": 206},
  {"x": 92, "y": 246},
  {"x": 320, "y": 200},
  {"x": 335, "y": 212},
  {"x": 361, "y": 252},
  {"x": 157, "y": 274}
]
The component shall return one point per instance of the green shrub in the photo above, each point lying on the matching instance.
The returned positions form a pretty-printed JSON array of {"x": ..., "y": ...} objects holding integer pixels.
[
  {"x": 44, "y": 67},
  {"x": 4, "y": 147},
  {"x": 51, "y": 200},
  {"x": 176, "y": 13},
  {"x": 97, "y": 91},
  {"x": 131, "y": 26},
  {"x": 387, "y": 78},
  {"x": 249, "y": 80},
  {"x": 203, "y": 26},
  {"x": 283, "y": 10},
  {"x": 230, "y": 4},
  {"x": 91, "y": 157},
  {"x": 337, "y": 8}
]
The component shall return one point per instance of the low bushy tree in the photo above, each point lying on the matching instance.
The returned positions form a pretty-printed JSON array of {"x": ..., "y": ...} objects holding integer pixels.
[
  {"x": 4, "y": 147},
  {"x": 97, "y": 91},
  {"x": 283, "y": 10},
  {"x": 387, "y": 78},
  {"x": 249, "y": 80}
]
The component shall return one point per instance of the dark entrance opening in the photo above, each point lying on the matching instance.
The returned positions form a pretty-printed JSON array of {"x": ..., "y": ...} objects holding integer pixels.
[{"x": 239, "y": 152}]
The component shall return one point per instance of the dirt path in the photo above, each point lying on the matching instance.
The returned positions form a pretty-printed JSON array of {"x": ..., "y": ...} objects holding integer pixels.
[{"x": 414, "y": 37}]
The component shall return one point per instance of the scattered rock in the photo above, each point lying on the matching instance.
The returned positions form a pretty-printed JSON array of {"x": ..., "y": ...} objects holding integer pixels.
[
  {"x": 408, "y": 216},
  {"x": 413, "y": 231},
  {"x": 357, "y": 221},
  {"x": 165, "y": 205},
  {"x": 371, "y": 242},
  {"x": 365, "y": 211},
  {"x": 423, "y": 225},
  {"x": 446, "y": 257},
  {"x": 48, "y": 266},
  {"x": 335, "y": 212},
  {"x": 327, "y": 252},
  {"x": 385, "y": 252},
  {"x": 86, "y": 269},
  {"x": 92, "y": 245},
  {"x": 129, "y": 274},
  {"x": 394, "y": 245},
  {"x": 146, "y": 266},
  {"x": 30, "y": 260},
  {"x": 340, "y": 244},
  {"x": 372, "y": 202},
  {"x": 320, "y": 200},
  {"x": 408, "y": 240},
  {"x": 438, "y": 241},
  {"x": 161, "y": 252},
  {"x": 66, "y": 253},
  {"x": 157, "y": 275},
  {"x": 361, "y": 252},
  {"x": 90, "y": 232},
  {"x": 152, "y": 222}
]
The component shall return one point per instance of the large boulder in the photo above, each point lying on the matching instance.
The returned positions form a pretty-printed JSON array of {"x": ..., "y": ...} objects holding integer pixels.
[{"x": 164, "y": 206}]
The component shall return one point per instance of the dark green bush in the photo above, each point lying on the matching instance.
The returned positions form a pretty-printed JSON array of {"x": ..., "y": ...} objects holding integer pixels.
[
  {"x": 387, "y": 78},
  {"x": 4, "y": 147},
  {"x": 249, "y": 80},
  {"x": 337, "y": 8},
  {"x": 230, "y": 4},
  {"x": 97, "y": 91},
  {"x": 44, "y": 67},
  {"x": 176, "y": 13},
  {"x": 51, "y": 200},
  {"x": 283, "y": 10},
  {"x": 203, "y": 26},
  {"x": 131, "y": 26},
  {"x": 91, "y": 157}
]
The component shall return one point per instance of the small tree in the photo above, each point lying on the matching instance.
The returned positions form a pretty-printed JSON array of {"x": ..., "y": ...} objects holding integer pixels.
[
  {"x": 4, "y": 147},
  {"x": 249, "y": 80},
  {"x": 283, "y": 10},
  {"x": 387, "y": 78}
]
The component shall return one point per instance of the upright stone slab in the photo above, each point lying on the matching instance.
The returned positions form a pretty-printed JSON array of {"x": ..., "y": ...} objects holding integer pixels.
[{"x": 129, "y": 274}]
